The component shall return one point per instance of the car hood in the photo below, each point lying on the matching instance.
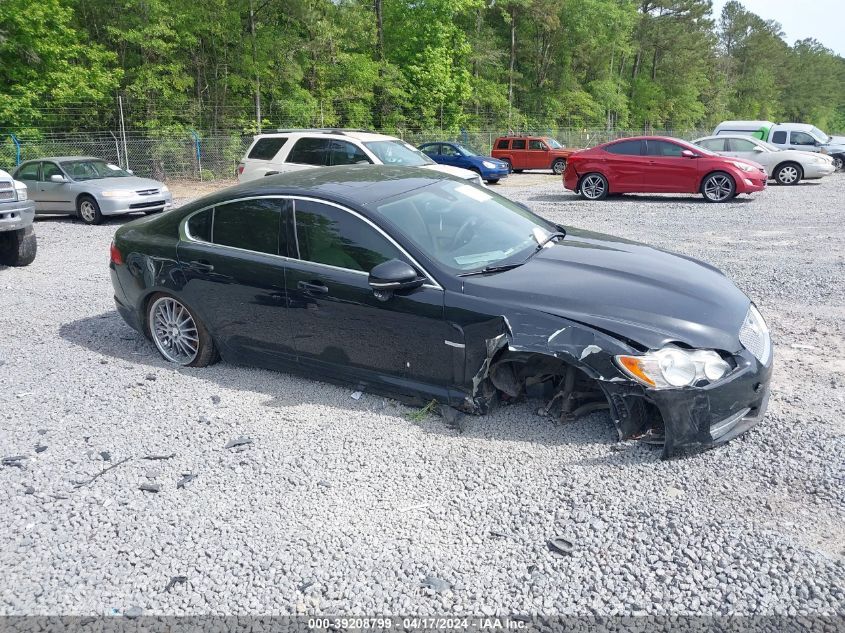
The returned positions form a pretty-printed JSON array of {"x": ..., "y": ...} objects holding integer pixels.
[
  {"x": 133, "y": 183},
  {"x": 466, "y": 174},
  {"x": 631, "y": 290}
]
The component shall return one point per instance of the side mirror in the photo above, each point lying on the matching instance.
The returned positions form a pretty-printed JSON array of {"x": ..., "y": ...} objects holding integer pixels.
[
  {"x": 58, "y": 178},
  {"x": 129, "y": 171},
  {"x": 393, "y": 275},
  {"x": 757, "y": 148},
  {"x": 688, "y": 153}
]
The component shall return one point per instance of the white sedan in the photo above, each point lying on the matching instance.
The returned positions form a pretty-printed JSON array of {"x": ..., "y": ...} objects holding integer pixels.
[{"x": 786, "y": 166}]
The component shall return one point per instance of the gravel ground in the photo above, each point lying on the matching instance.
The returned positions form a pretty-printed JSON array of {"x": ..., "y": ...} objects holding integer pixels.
[{"x": 355, "y": 506}]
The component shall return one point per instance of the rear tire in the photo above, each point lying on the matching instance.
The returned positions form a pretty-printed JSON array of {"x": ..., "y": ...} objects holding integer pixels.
[
  {"x": 517, "y": 171},
  {"x": 593, "y": 186},
  {"x": 18, "y": 248},
  {"x": 718, "y": 187},
  {"x": 180, "y": 337},
  {"x": 559, "y": 166},
  {"x": 788, "y": 174},
  {"x": 88, "y": 210}
]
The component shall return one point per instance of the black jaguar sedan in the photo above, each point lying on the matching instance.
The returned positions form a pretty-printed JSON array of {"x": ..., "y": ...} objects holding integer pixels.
[{"x": 406, "y": 283}]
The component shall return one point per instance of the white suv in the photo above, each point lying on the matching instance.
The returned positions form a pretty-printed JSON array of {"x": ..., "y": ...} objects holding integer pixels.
[{"x": 290, "y": 150}]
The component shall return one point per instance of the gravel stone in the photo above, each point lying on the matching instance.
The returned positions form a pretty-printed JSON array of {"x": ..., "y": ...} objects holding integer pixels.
[{"x": 759, "y": 529}]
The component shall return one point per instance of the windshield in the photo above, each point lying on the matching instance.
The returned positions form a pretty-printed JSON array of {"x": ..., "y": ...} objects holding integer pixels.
[
  {"x": 92, "y": 170},
  {"x": 553, "y": 143},
  {"x": 464, "y": 227},
  {"x": 824, "y": 138},
  {"x": 398, "y": 152},
  {"x": 465, "y": 151}
]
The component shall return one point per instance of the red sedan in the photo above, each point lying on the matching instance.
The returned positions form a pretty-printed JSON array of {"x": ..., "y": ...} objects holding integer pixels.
[{"x": 655, "y": 164}]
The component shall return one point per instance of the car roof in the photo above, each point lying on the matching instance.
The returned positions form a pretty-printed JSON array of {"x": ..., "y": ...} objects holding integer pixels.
[
  {"x": 355, "y": 184},
  {"x": 60, "y": 159},
  {"x": 647, "y": 138},
  {"x": 715, "y": 137},
  {"x": 359, "y": 135}
]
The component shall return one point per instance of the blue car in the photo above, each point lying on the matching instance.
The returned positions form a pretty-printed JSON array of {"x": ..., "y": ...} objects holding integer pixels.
[{"x": 490, "y": 169}]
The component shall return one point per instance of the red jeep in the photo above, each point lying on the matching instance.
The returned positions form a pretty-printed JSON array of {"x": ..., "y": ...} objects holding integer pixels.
[{"x": 531, "y": 152}]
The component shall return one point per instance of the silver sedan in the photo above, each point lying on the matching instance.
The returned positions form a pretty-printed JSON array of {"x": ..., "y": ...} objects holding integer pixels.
[{"x": 90, "y": 188}]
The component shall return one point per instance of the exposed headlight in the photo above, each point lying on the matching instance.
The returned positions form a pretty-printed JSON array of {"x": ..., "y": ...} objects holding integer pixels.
[
  {"x": 164, "y": 189},
  {"x": 488, "y": 164},
  {"x": 673, "y": 367},
  {"x": 117, "y": 193},
  {"x": 742, "y": 166},
  {"x": 21, "y": 193},
  {"x": 755, "y": 337}
]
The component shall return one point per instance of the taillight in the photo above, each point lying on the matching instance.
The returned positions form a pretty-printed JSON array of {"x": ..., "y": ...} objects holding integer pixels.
[
  {"x": 240, "y": 168},
  {"x": 116, "y": 257}
]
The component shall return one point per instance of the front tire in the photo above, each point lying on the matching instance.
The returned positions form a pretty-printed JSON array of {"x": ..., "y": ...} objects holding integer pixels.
[
  {"x": 788, "y": 174},
  {"x": 492, "y": 181},
  {"x": 88, "y": 210},
  {"x": 718, "y": 187},
  {"x": 559, "y": 166},
  {"x": 839, "y": 162},
  {"x": 593, "y": 187},
  {"x": 178, "y": 334},
  {"x": 18, "y": 248}
]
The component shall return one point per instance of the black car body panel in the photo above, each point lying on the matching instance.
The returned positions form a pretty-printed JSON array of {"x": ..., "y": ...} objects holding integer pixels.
[{"x": 464, "y": 341}]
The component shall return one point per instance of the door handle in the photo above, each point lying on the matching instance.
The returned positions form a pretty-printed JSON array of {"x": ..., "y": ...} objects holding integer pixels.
[
  {"x": 201, "y": 265},
  {"x": 314, "y": 288}
]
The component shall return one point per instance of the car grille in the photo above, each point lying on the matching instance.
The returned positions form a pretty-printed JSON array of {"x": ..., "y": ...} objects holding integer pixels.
[
  {"x": 147, "y": 205},
  {"x": 147, "y": 192},
  {"x": 7, "y": 190},
  {"x": 754, "y": 336}
]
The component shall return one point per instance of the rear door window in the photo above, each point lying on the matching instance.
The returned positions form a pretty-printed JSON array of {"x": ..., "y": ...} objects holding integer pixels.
[
  {"x": 627, "y": 148},
  {"x": 503, "y": 143},
  {"x": 267, "y": 148},
  {"x": 250, "y": 225},
  {"x": 332, "y": 236},
  {"x": 779, "y": 138},
  {"x": 28, "y": 172},
  {"x": 518, "y": 143},
  {"x": 714, "y": 144},
  {"x": 310, "y": 151}
]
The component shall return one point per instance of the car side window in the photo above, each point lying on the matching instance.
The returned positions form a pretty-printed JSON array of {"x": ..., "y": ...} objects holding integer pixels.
[
  {"x": 627, "y": 148},
  {"x": 267, "y": 148},
  {"x": 503, "y": 143},
  {"x": 801, "y": 138},
  {"x": 49, "y": 169},
  {"x": 518, "y": 143},
  {"x": 741, "y": 145},
  {"x": 332, "y": 236},
  {"x": 345, "y": 153},
  {"x": 714, "y": 144},
  {"x": 664, "y": 149},
  {"x": 251, "y": 225},
  {"x": 310, "y": 151},
  {"x": 28, "y": 172},
  {"x": 536, "y": 144},
  {"x": 779, "y": 138}
]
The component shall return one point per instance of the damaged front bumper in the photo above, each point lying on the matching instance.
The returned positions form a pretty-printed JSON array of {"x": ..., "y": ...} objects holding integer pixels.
[{"x": 694, "y": 418}]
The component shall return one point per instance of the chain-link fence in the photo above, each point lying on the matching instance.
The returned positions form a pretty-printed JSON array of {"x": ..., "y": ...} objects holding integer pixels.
[{"x": 194, "y": 156}]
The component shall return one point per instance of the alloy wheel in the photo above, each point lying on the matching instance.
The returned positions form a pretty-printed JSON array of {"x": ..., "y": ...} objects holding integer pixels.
[
  {"x": 837, "y": 163},
  {"x": 559, "y": 167},
  {"x": 174, "y": 331},
  {"x": 718, "y": 188},
  {"x": 87, "y": 211},
  {"x": 788, "y": 175},
  {"x": 593, "y": 187}
]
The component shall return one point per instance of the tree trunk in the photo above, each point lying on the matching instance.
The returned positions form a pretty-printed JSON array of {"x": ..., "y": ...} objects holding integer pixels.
[
  {"x": 255, "y": 65},
  {"x": 512, "y": 62}
]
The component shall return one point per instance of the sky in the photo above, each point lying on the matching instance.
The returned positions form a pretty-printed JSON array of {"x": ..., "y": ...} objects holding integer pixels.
[{"x": 821, "y": 19}]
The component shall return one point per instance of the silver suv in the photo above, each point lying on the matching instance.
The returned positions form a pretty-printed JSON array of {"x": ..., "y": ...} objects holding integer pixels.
[
  {"x": 17, "y": 239},
  {"x": 290, "y": 150}
]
